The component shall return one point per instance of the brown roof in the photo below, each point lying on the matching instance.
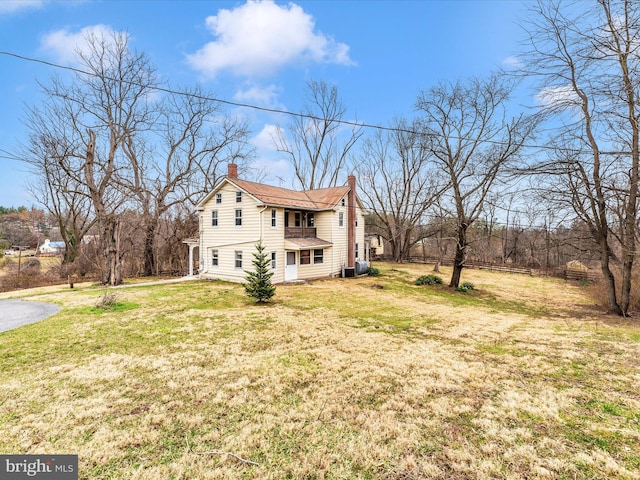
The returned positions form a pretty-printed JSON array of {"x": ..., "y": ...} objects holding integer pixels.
[
  {"x": 320, "y": 199},
  {"x": 300, "y": 243}
]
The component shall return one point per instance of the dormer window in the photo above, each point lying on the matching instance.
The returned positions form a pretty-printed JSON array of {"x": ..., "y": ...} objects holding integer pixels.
[{"x": 238, "y": 197}]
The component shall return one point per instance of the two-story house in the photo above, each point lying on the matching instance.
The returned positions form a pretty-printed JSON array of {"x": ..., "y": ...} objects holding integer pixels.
[{"x": 307, "y": 234}]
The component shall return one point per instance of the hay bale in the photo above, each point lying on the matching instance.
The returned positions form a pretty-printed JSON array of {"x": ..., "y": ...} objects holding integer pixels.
[{"x": 576, "y": 266}]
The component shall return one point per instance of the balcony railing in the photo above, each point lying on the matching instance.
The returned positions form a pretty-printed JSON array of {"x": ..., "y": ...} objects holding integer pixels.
[{"x": 299, "y": 232}]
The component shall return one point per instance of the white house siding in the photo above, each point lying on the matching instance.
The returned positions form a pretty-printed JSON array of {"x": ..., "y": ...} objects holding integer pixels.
[
  {"x": 313, "y": 269},
  {"x": 327, "y": 229},
  {"x": 273, "y": 240},
  {"x": 228, "y": 238}
]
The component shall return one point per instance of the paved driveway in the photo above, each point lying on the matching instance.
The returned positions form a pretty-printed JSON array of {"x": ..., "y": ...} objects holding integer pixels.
[{"x": 15, "y": 313}]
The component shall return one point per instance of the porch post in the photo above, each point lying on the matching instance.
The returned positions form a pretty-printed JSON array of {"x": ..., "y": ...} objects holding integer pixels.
[{"x": 191, "y": 247}]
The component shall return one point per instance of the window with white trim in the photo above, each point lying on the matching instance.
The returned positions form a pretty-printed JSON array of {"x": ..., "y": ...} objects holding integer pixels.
[
  {"x": 238, "y": 258},
  {"x": 357, "y": 256},
  {"x": 238, "y": 217},
  {"x": 273, "y": 260},
  {"x": 218, "y": 198},
  {"x": 305, "y": 257},
  {"x": 341, "y": 219},
  {"x": 274, "y": 217},
  {"x": 214, "y": 258},
  {"x": 318, "y": 256},
  {"x": 238, "y": 197},
  {"x": 214, "y": 218}
]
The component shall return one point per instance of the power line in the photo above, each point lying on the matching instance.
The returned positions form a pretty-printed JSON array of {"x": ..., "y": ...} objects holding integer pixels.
[
  {"x": 280, "y": 111},
  {"x": 205, "y": 97}
]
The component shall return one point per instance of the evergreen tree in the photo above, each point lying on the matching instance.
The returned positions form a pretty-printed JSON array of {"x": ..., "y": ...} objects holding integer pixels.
[{"x": 259, "y": 284}]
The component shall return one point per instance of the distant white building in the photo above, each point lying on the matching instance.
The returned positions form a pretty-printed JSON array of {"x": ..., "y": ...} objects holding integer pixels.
[{"x": 49, "y": 247}]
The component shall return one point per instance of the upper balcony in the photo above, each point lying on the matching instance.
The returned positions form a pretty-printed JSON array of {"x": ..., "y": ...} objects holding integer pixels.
[{"x": 299, "y": 232}]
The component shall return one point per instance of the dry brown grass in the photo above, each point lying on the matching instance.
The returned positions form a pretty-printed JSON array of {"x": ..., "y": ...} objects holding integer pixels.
[{"x": 336, "y": 379}]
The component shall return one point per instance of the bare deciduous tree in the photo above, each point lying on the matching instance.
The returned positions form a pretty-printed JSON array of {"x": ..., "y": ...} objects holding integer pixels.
[
  {"x": 184, "y": 157},
  {"x": 62, "y": 195},
  {"x": 472, "y": 142},
  {"x": 318, "y": 144},
  {"x": 89, "y": 119},
  {"x": 398, "y": 185},
  {"x": 588, "y": 63}
]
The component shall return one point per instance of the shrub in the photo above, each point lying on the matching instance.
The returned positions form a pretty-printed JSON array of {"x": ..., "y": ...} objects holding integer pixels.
[
  {"x": 10, "y": 264},
  {"x": 465, "y": 287},
  {"x": 373, "y": 272},
  {"x": 107, "y": 301},
  {"x": 31, "y": 267},
  {"x": 429, "y": 280}
]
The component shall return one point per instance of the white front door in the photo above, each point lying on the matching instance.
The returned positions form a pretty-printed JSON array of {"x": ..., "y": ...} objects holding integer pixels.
[{"x": 291, "y": 267}]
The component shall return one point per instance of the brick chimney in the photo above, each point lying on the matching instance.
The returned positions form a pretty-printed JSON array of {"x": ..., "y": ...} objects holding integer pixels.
[
  {"x": 351, "y": 222},
  {"x": 232, "y": 170}
]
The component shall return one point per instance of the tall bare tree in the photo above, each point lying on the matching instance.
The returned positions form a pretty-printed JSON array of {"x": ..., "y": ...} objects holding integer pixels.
[
  {"x": 89, "y": 119},
  {"x": 472, "y": 142},
  {"x": 64, "y": 196},
  {"x": 184, "y": 156},
  {"x": 398, "y": 185},
  {"x": 587, "y": 59},
  {"x": 318, "y": 143}
]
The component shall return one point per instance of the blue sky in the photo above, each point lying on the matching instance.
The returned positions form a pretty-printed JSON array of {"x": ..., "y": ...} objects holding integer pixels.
[{"x": 380, "y": 54}]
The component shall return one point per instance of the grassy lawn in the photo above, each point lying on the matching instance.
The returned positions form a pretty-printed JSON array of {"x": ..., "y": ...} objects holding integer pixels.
[{"x": 368, "y": 378}]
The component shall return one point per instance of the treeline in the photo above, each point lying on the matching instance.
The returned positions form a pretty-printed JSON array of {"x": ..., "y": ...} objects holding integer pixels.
[
  {"x": 22, "y": 226},
  {"x": 541, "y": 248},
  {"x": 5, "y": 210}
]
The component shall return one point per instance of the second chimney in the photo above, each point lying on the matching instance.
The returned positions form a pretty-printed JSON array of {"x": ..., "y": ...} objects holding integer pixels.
[{"x": 351, "y": 222}]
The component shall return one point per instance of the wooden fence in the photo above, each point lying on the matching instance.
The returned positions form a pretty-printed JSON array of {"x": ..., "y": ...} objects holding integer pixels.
[{"x": 567, "y": 274}]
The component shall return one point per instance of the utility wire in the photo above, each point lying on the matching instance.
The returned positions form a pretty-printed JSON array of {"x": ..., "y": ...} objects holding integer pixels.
[
  {"x": 280, "y": 111},
  {"x": 203, "y": 97}
]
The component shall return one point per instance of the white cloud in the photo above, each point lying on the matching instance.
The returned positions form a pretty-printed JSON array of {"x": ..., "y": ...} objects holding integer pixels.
[
  {"x": 265, "y": 139},
  {"x": 10, "y": 6},
  {"x": 512, "y": 61},
  {"x": 259, "y": 37},
  {"x": 64, "y": 44},
  {"x": 557, "y": 96},
  {"x": 258, "y": 95},
  {"x": 270, "y": 166}
]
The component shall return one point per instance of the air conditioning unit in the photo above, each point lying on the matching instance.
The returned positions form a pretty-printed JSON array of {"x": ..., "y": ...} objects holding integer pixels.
[{"x": 349, "y": 272}]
